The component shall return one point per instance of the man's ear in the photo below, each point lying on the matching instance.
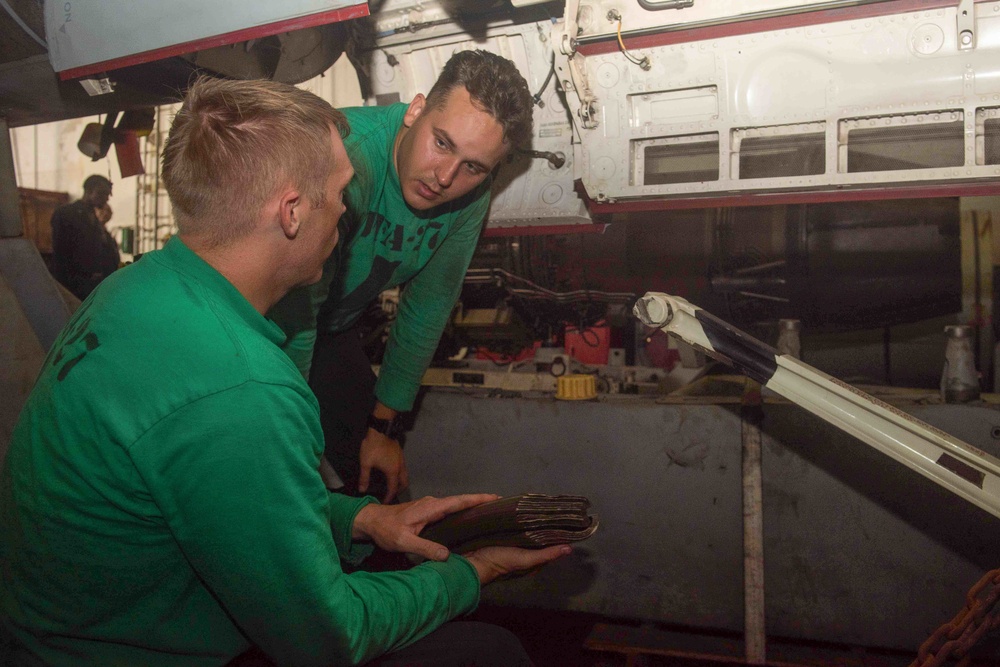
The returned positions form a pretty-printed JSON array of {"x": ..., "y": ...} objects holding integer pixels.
[
  {"x": 290, "y": 209},
  {"x": 414, "y": 110}
]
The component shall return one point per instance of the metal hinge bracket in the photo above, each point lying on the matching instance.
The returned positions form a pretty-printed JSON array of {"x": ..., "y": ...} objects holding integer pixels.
[{"x": 966, "y": 21}]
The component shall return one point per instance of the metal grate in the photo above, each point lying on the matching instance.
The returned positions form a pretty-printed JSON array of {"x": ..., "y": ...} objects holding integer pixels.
[
  {"x": 991, "y": 140},
  {"x": 777, "y": 156},
  {"x": 905, "y": 142},
  {"x": 689, "y": 159}
]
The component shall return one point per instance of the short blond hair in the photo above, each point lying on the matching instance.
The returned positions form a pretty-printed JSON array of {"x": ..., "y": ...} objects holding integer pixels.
[{"x": 234, "y": 143}]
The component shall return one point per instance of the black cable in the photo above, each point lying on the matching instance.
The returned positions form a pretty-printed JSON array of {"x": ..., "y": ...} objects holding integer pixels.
[
  {"x": 537, "y": 97},
  {"x": 590, "y": 330},
  {"x": 557, "y": 160}
]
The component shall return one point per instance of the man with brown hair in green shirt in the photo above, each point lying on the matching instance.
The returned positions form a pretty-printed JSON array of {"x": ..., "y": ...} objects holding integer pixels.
[{"x": 415, "y": 210}]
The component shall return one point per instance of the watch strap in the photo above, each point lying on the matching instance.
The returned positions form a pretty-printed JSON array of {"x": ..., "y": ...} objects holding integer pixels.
[{"x": 388, "y": 427}]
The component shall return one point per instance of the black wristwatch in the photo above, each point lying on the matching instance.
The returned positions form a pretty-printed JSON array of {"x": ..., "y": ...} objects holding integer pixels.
[{"x": 391, "y": 428}]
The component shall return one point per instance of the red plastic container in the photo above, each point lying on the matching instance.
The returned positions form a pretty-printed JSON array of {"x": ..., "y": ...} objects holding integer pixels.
[{"x": 589, "y": 346}]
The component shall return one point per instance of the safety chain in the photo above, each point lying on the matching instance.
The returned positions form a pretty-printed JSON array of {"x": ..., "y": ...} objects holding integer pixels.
[{"x": 956, "y": 638}]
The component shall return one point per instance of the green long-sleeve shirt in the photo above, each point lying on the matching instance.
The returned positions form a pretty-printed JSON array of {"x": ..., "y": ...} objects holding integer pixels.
[
  {"x": 161, "y": 502},
  {"x": 384, "y": 243}
]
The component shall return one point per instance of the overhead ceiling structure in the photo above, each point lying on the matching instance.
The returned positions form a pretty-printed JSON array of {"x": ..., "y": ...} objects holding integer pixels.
[{"x": 62, "y": 60}]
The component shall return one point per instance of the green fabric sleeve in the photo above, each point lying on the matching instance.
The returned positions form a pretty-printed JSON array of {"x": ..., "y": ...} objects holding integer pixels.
[
  {"x": 299, "y": 347},
  {"x": 343, "y": 510},
  {"x": 424, "y": 307},
  {"x": 296, "y": 315},
  {"x": 244, "y": 501}
]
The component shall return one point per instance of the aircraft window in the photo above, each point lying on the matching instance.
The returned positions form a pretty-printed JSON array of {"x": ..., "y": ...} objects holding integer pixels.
[{"x": 917, "y": 141}]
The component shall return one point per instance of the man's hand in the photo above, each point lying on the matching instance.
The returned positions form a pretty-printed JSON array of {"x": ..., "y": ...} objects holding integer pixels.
[
  {"x": 103, "y": 213},
  {"x": 396, "y": 527},
  {"x": 494, "y": 562},
  {"x": 381, "y": 452}
]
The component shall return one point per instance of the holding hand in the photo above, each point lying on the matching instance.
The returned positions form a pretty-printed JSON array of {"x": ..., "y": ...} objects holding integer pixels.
[
  {"x": 381, "y": 452},
  {"x": 397, "y": 527},
  {"x": 103, "y": 213},
  {"x": 494, "y": 562}
]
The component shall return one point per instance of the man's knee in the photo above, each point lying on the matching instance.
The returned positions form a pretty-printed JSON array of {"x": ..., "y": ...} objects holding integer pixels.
[
  {"x": 462, "y": 644},
  {"x": 498, "y": 646}
]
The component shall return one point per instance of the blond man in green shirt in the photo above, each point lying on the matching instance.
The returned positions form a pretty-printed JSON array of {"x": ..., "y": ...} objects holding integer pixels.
[{"x": 161, "y": 502}]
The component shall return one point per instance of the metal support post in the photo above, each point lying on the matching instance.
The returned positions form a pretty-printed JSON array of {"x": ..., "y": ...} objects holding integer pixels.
[
  {"x": 752, "y": 415},
  {"x": 10, "y": 201}
]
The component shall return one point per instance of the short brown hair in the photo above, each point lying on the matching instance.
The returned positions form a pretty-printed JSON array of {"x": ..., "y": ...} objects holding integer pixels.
[
  {"x": 233, "y": 143},
  {"x": 495, "y": 86}
]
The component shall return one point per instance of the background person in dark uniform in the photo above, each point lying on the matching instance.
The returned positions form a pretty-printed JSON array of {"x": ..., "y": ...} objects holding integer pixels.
[{"x": 83, "y": 252}]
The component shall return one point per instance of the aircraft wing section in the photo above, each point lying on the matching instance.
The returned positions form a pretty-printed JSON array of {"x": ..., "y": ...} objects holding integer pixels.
[{"x": 88, "y": 38}]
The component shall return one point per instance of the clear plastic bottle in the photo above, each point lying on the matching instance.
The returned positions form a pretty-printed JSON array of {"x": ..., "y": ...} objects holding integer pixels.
[
  {"x": 959, "y": 379},
  {"x": 788, "y": 338}
]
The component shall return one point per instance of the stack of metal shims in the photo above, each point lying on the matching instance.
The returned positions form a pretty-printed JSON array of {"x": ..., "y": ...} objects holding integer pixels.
[{"x": 530, "y": 520}]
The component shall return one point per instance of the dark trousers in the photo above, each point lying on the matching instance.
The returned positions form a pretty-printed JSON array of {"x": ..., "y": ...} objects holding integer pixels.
[
  {"x": 342, "y": 379},
  {"x": 461, "y": 644},
  {"x": 455, "y": 644}
]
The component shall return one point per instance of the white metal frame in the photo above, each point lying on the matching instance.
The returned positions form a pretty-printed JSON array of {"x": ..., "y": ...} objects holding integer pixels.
[
  {"x": 886, "y": 70},
  {"x": 527, "y": 191},
  {"x": 955, "y": 465}
]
